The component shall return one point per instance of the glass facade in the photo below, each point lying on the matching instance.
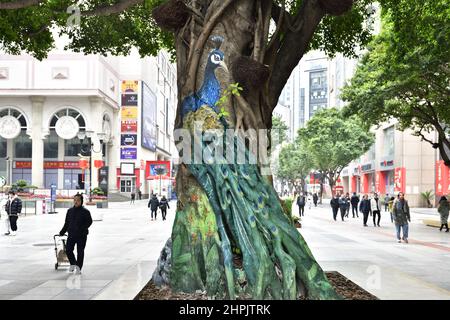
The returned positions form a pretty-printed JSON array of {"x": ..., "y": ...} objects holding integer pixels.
[
  {"x": 51, "y": 146},
  {"x": 388, "y": 143},
  {"x": 50, "y": 177},
  {"x": 21, "y": 174},
  {"x": 23, "y": 146},
  {"x": 318, "y": 89},
  {"x": 73, "y": 179}
]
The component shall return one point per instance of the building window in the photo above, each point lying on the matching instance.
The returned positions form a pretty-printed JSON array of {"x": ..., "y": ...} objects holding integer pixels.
[
  {"x": 50, "y": 177},
  {"x": 51, "y": 146},
  {"x": 3, "y": 148},
  {"x": 23, "y": 146},
  {"x": 72, "y": 147},
  {"x": 388, "y": 142},
  {"x": 73, "y": 179},
  {"x": 21, "y": 174}
]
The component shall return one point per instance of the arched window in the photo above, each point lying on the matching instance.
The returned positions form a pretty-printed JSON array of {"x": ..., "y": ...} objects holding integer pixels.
[
  {"x": 15, "y": 121},
  {"x": 72, "y": 145}
]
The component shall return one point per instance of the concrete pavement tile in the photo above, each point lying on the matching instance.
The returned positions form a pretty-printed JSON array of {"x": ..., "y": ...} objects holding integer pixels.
[
  {"x": 29, "y": 297},
  {"x": 44, "y": 291},
  {"x": 7, "y": 296}
]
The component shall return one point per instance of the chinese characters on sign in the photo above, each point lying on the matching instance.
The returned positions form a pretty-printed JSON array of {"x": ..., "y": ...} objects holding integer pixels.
[{"x": 399, "y": 179}]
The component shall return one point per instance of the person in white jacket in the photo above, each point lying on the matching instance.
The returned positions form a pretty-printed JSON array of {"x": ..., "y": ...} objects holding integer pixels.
[
  {"x": 375, "y": 208},
  {"x": 4, "y": 215},
  {"x": 309, "y": 200}
]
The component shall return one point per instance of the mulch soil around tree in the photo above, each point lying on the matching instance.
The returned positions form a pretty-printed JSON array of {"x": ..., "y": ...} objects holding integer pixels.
[{"x": 345, "y": 287}]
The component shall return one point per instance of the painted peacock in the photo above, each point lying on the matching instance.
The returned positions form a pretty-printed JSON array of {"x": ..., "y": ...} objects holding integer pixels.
[{"x": 230, "y": 236}]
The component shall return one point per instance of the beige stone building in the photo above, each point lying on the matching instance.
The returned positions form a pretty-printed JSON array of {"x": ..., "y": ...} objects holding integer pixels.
[{"x": 398, "y": 161}]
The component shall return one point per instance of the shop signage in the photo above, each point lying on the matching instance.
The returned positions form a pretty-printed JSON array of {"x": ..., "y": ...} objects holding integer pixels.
[
  {"x": 130, "y": 86},
  {"x": 399, "y": 179},
  {"x": 129, "y": 113},
  {"x": 387, "y": 163},
  {"x": 366, "y": 167},
  {"x": 129, "y": 126},
  {"x": 128, "y": 140},
  {"x": 128, "y": 153},
  {"x": 442, "y": 178},
  {"x": 49, "y": 165},
  {"x": 153, "y": 167},
  {"x": 129, "y": 100}
]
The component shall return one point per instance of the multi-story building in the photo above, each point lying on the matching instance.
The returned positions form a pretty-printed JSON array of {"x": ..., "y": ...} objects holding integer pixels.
[{"x": 47, "y": 106}]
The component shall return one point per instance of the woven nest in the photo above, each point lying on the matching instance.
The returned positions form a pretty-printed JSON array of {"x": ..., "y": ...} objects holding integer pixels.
[
  {"x": 171, "y": 15},
  {"x": 336, "y": 7},
  {"x": 250, "y": 74}
]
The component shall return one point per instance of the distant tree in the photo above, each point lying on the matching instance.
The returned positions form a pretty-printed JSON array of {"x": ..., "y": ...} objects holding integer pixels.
[{"x": 333, "y": 141}]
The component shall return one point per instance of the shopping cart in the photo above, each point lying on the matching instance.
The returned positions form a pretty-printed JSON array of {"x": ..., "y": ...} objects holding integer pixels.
[{"x": 60, "y": 251}]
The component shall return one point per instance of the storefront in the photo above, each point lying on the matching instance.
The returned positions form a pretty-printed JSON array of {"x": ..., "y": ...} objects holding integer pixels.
[{"x": 367, "y": 183}]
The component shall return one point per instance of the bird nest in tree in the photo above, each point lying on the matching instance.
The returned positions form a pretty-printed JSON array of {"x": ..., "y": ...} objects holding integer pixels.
[
  {"x": 336, "y": 7},
  {"x": 250, "y": 74},
  {"x": 171, "y": 15}
]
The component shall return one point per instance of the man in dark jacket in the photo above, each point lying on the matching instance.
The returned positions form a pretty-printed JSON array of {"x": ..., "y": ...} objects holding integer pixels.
[
  {"x": 163, "y": 205},
  {"x": 78, "y": 221},
  {"x": 153, "y": 204},
  {"x": 301, "y": 201},
  {"x": 335, "y": 205},
  {"x": 13, "y": 207},
  {"x": 354, "y": 201},
  {"x": 364, "y": 207},
  {"x": 344, "y": 203},
  {"x": 315, "y": 199}
]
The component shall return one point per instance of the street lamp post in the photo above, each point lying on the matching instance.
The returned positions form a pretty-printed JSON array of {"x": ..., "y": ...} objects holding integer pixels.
[
  {"x": 160, "y": 170},
  {"x": 87, "y": 147}
]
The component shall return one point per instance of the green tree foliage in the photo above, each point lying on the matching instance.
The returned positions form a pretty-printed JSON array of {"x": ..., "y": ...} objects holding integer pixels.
[
  {"x": 406, "y": 73},
  {"x": 295, "y": 163},
  {"x": 279, "y": 131},
  {"x": 333, "y": 141},
  {"x": 115, "y": 27}
]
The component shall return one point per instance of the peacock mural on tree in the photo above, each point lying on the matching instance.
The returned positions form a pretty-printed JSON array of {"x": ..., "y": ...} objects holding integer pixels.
[{"x": 230, "y": 235}]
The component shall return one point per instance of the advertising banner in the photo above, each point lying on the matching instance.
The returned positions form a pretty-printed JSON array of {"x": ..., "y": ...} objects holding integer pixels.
[
  {"x": 129, "y": 113},
  {"x": 129, "y": 100},
  {"x": 399, "y": 179},
  {"x": 128, "y": 140},
  {"x": 442, "y": 178},
  {"x": 149, "y": 130},
  {"x": 152, "y": 169},
  {"x": 128, "y": 154},
  {"x": 128, "y": 126},
  {"x": 130, "y": 86}
]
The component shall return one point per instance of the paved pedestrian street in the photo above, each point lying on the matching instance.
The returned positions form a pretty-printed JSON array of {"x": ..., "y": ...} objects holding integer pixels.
[
  {"x": 372, "y": 258},
  {"x": 121, "y": 253},
  {"x": 123, "y": 248}
]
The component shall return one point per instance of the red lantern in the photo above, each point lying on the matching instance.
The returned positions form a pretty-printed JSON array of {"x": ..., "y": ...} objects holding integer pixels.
[
  {"x": 83, "y": 163},
  {"x": 98, "y": 164}
]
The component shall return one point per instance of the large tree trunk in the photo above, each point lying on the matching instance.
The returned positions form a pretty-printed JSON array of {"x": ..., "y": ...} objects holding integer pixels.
[{"x": 220, "y": 248}]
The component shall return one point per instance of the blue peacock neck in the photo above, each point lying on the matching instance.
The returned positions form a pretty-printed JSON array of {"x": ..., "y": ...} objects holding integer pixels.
[{"x": 209, "y": 93}]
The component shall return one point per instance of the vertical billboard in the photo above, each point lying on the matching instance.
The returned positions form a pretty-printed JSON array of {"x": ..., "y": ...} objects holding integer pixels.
[
  {"x": 399, "y": 179},
  {"x": 149, "y": 107}
]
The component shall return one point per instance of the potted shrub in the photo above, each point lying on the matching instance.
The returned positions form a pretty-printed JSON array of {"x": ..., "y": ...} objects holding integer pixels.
[{"x": 428, "y": 196}]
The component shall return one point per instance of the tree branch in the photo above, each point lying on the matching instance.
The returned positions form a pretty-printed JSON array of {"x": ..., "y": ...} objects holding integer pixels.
[
  {"x": 294, "y": 46},
  {"x": 113, "y": 9},
  {"x": 19, "y": 4}
]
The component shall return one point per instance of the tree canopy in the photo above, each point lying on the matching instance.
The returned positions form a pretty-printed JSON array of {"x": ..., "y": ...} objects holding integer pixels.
[
  {"x": 334, "y": 140},
  {"x": 406, "y": 73}
]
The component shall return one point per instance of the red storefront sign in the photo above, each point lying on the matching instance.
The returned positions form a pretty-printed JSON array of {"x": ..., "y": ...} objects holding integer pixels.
[
  {"x": 442, "y": 178},
  {"x": 380, "y": 185},
  {"x": 354, "y": 182},
  {"x": 129, "y": 126},
  {"x": 399, "y": 179},
  {"x": 49, "y": 165}
]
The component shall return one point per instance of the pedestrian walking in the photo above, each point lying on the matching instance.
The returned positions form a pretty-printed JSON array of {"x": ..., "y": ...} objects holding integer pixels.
[
  {"x": 163, "y": 205},
  {"x": 4, "y": 215},
  {"x": 354, "y": 200},
  {"x": 153, "y": 204},
  {"x": 401, "y": 217},
  {"x": 309, "y": 200},
  {"x": 386, "y": 202},
  {"x": 77, "y": 223},
  {"x": 133, "y": 197},
  {"x": 13, "y": 207},
  {"x": 347, "y": 200},
  {"x": 315, "y": 199},
  {"x": 364, "y": 207},
  {"x": 343, "y": 205},
  {"x": 391, "y": 208},
  {"x": 443, "y": 209},
  {"x": 375, "y": 208},
  {"x": 301, "y": 201},
  {"x": 334, "y": 203},
  {"x": 139, "y": 194}
]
